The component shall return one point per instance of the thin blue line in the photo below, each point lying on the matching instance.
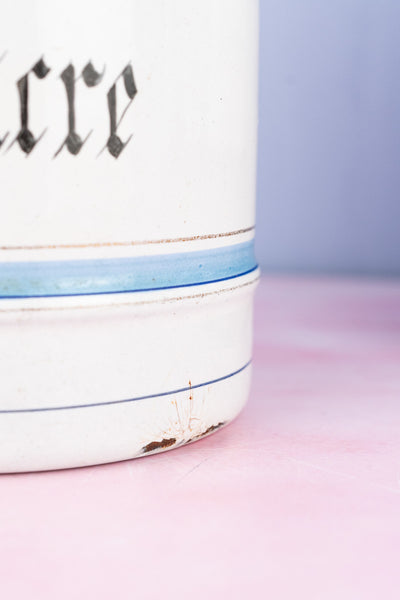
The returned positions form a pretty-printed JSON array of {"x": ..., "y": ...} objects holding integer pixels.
[
  {"x": 49, "y": 279},
  {"x": 139, "y": 398},
  {"x": 135, "y": 291}
]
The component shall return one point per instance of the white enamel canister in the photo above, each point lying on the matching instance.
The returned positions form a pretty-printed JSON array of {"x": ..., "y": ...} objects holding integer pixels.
[{"x": 127, "y": 270}]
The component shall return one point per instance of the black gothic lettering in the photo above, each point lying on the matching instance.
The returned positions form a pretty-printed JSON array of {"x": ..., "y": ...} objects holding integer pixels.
[
  {"x": 25, "y": 137},
  {"x": 91, "y": 77},
  {"x": 114, "y": 143},
  {"x": 73, "y": 142}
]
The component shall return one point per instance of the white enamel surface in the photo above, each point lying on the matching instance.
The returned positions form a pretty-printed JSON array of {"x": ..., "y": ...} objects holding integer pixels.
[
  {"x": 136, "y": 248},
  {"x": 117, "y": 352},
  {"x": 190, "y": 166},
  {"x": 121, "y": 348}
]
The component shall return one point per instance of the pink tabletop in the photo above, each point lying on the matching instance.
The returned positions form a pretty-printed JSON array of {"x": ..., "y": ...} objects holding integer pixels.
[{"x": 299, "y": 498}]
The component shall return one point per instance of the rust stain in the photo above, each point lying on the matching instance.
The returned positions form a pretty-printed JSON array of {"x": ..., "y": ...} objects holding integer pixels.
[
  {"x": 169, "y": 442},
  {"x": 165, "y": 443},
  {"x": 211, "y": 429},
  {"x": 206, "y": 432}
]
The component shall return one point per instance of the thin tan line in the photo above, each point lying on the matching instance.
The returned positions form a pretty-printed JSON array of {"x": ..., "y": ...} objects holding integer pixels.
[
  {"x": 138, "y": 243},
  {"x": 125, "y": 304}
]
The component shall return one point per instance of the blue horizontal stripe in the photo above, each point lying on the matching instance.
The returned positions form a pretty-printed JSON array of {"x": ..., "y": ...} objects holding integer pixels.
[
  {"x": 129, "y": 400},
  {"x": 122, "y": 275}
]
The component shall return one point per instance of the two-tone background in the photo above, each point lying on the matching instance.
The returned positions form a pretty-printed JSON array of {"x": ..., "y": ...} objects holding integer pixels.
[{"x": 329, "y": 144}]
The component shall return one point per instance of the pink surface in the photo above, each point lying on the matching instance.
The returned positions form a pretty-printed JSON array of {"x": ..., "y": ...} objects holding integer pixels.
[{"x": 299, "y": 498}]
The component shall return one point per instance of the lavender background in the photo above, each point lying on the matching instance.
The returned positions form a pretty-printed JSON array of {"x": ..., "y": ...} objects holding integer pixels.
[{"x": 329, "y": 148}]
